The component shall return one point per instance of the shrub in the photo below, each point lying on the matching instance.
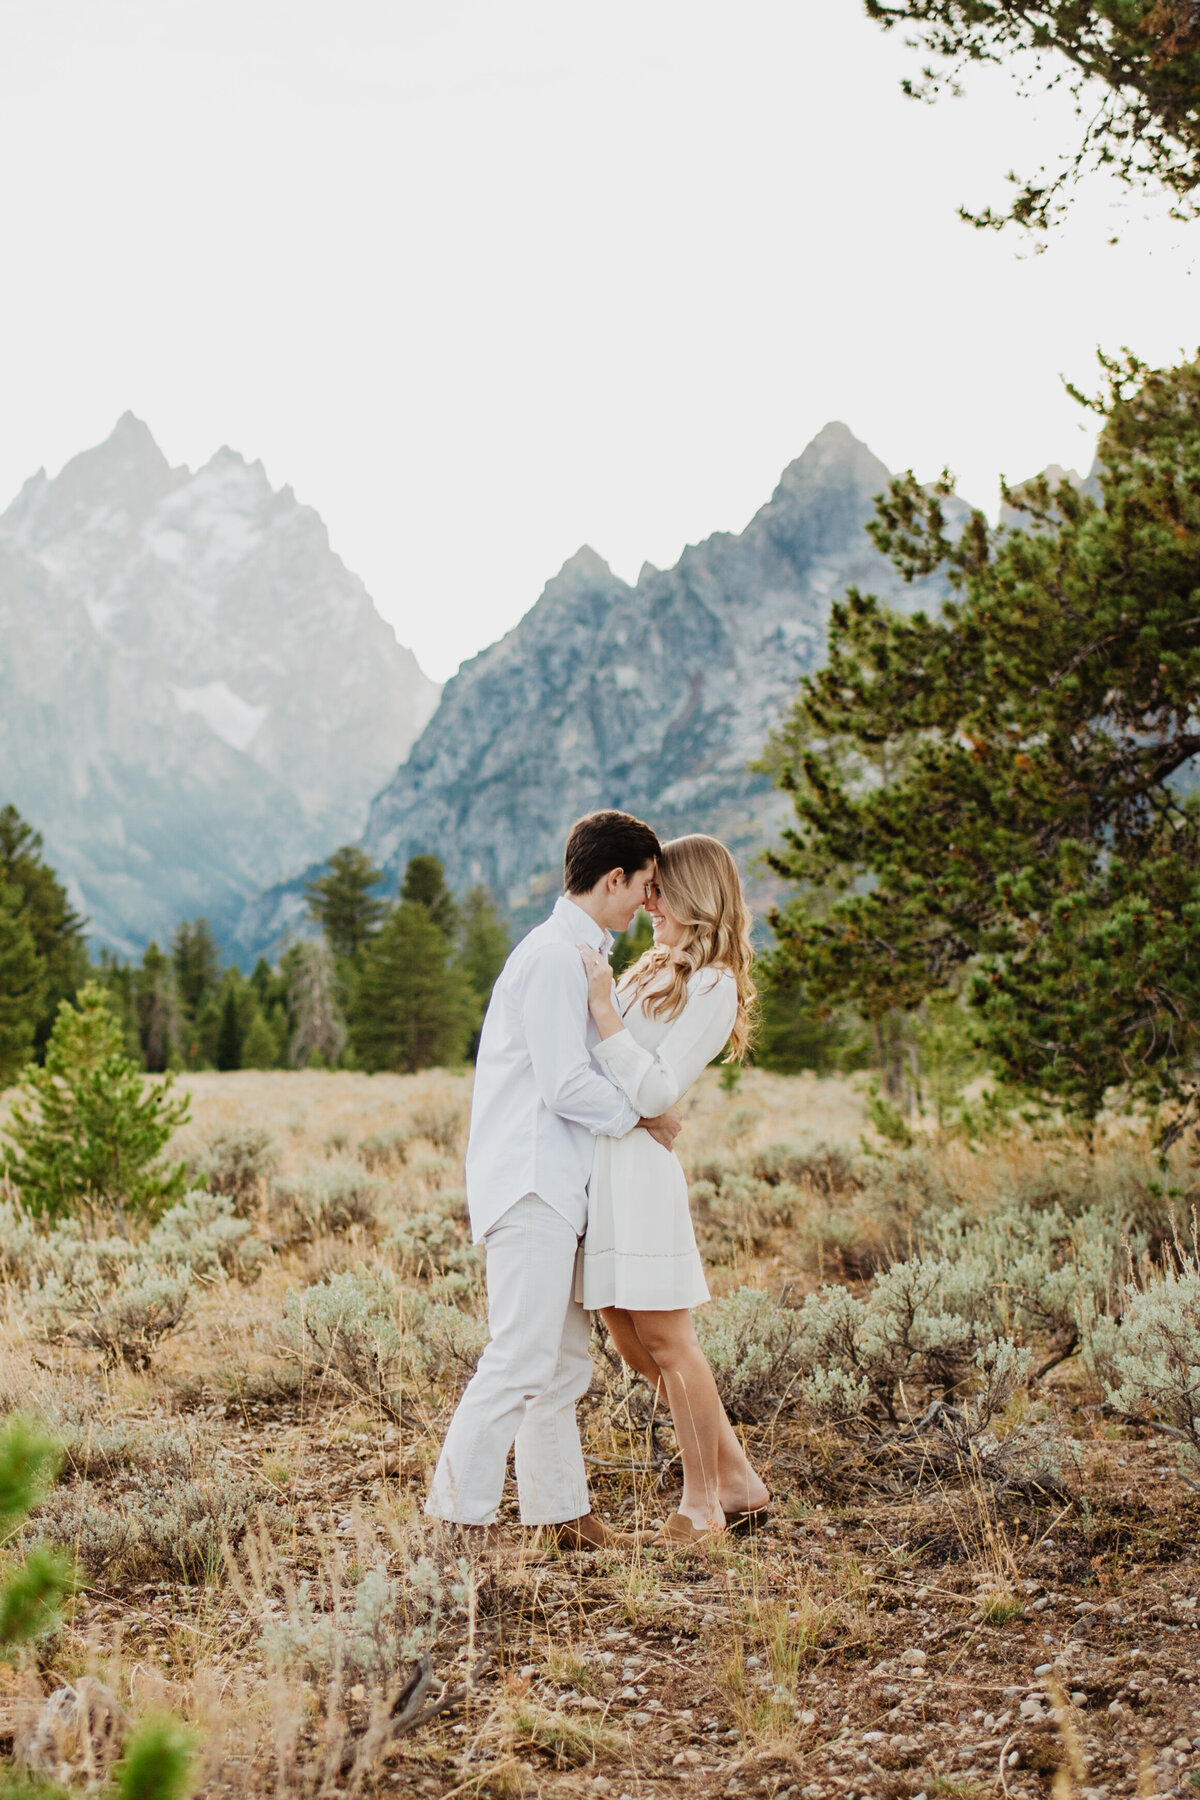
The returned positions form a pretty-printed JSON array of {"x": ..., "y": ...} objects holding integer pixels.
[
  {"x": 22, "y": 1245},
  {"x": 87, "y": 1131},
  {"x": 377, "y": 1339},
  {"x": 236, "y": 1160},
  {"x": 443, "y": 1122},
  {"x": 370, "y": 1634},
  {"x": 753, "y": 1348},
  {"x": 326, "y": 1198},
  {"x": 919, "y": 1327},
  {"x": 431, "y": 1244},
  {"x": 102, "y": 1450},
  {"x": 1149, "y": 1361},
  {"x": 824, "y": 1170},
  {"x": 203, "y": 1233},
  {"x": 740, "y": 1213},
  {"x": 157, "y": 1527},
  {"x": 126, "y": 1320},
  {"x": 385, "y": 1149}
]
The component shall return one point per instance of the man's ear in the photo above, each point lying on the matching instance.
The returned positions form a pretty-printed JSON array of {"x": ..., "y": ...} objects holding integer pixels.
[{"x": 614, "y": 879}]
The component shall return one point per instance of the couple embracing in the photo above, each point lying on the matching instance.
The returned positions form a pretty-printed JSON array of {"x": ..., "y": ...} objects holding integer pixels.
[{"x": 575, "y": 1191}]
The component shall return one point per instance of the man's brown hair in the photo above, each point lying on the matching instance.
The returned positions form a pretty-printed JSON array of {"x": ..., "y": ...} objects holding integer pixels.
[{"x": 601, "y": 842}]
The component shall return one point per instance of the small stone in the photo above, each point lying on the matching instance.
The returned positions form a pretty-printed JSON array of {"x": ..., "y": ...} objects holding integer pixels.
[
  {"x": 1115, "y": 1708},
  {"x": 601, "y": 1784},
  {"x": 807, "y": 1718},
  {"x": 685, "y": 1756},
  {"x": 628, "y": 1693},
  {"x": 358, "y": 1691},
  {"x": 641, "y": 1718},
  {"x": 1078, "y": 1697},
  {"x": 1044, "y": 1669},
  {"x": 527, "y": 1671},
  {"x": 1181, "y": 1743},
  {"x": 914, "y": 1659},
  {"x": 872, "y": 1737},
  {"x": 752, "y": 1662}
]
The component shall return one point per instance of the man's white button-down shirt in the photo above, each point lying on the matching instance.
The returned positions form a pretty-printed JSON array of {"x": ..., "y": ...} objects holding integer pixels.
[{"x": 539, "y": 1099}]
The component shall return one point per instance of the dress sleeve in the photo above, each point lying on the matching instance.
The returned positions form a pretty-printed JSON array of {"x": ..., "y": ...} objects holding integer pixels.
[{"x": 655, "y": 1079}]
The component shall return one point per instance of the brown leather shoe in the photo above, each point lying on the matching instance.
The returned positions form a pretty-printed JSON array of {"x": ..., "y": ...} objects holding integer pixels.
[
  {"x": 680, "y": 1534},
  {"x": 589, "y": 1533}
]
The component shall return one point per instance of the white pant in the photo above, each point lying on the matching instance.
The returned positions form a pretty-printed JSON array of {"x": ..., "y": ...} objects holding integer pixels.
[{"x": 528, "y": 1380}]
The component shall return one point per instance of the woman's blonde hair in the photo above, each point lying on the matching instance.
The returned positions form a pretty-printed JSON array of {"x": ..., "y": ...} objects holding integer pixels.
[{"x": 700, "y": 886}]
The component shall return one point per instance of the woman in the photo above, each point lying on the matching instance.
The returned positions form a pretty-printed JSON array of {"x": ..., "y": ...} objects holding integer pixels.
[{"x": 685, "y": 999}]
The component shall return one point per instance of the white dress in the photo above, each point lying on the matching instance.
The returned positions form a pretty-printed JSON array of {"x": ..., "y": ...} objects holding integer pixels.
[{"x": 640, "y": 1250}]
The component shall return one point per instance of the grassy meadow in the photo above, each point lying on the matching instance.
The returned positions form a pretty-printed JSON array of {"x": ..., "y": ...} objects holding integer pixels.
[{"x": 973, "y": 1584}]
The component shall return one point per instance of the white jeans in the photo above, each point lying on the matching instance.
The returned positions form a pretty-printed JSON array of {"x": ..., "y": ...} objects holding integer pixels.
[{"x": 528, "y": 1380}]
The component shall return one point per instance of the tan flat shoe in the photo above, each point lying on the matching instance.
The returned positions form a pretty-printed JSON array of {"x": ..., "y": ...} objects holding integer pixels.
[
  {"x": 589, "y": 1533},
  {"x": 680, "y": 1534}
]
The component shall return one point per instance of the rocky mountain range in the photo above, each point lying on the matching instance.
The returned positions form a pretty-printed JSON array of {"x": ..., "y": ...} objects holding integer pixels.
[
  {"x": 654, "y": 697},
  {"x": 197, "y": 697}
]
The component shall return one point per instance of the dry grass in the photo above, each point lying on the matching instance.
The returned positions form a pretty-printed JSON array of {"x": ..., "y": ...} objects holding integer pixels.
[{"x": 936, "y": 1640}]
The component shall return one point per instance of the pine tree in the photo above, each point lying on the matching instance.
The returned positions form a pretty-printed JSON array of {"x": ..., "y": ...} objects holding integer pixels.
[
  {"x": 55, "y": 926},
  {"x": 413, "y": 1008},
  {"x": 260, "y": 1049},
  {"x": 86, "y": 1132},
  {"x": 341, "y": 902},
  {"x": 156, "y": 1008},
  {"x": 30, "y": 1593},
  {"x": 229, "y": 1038},
  {"x": 196, "y": 963},
  {"x": 485, "y": 944},
  {"x": 1030, "y": 827},
  {"x": 424, "y": 885},
  {"x": 23, "y": 983},
  {"x": 1132, "y": 65}
]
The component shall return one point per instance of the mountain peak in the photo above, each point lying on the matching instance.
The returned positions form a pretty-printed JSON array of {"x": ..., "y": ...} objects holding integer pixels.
[{"x": 586, "y": 564}]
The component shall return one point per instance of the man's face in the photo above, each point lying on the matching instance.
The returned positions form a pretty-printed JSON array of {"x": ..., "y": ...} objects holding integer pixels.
[{"x": 623, "y": 898}]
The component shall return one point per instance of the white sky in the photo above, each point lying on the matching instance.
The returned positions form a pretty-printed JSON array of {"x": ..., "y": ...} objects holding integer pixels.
[{"x": 484, "y": 282}]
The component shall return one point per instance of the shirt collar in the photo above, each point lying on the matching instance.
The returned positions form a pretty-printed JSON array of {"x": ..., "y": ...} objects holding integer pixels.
[{"x": 582, "y": 927}]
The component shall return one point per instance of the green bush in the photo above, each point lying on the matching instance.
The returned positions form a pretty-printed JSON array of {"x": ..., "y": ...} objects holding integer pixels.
[
  {"x": 236, "y": 1160},
  {"x": 125, "y": 1320},
  {"x": 753, "y": 1346},
  {"x": 203, "y": 1233},
  {"x": 386, "y": 1149},
  {"x": 379, "y": 1340},
  {"x": 158, "y": 1526},
  {"x": 369, "y": 1634},
  {"x": 1148, "y": 1356},
  {"x": 87, "y": 1131},
  {"x": 326, "y": 1198},
  {"x": 429, "y": 1243}
]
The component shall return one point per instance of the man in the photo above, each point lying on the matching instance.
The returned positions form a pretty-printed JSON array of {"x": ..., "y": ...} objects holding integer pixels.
[{"x": 538, "y": 1102}]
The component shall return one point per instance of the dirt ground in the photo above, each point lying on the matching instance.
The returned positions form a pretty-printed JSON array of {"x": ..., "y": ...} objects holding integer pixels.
[{"x": 929, "y": 1640}]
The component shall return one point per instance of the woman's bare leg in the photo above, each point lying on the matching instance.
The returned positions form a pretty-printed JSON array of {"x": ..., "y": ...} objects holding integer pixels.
[
  {"x": 623, "y": 1333},
  {"x": 696, "y": 1410},
  {"x": 738, "y": 1484}
]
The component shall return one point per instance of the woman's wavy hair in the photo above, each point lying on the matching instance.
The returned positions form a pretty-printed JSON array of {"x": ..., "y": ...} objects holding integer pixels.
[{"x": 701, "y": 887}]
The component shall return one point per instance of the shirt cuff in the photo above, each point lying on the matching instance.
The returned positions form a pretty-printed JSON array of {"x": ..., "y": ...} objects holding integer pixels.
[{"x": 625, "y": 1063}]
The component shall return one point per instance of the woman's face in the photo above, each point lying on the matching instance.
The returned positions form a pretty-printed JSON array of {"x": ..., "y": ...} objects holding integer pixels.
[{"x": 667, "y": 929}]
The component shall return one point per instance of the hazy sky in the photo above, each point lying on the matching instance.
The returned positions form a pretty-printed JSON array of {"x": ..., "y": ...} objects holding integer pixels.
[{"x": 484, "y": 282}]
